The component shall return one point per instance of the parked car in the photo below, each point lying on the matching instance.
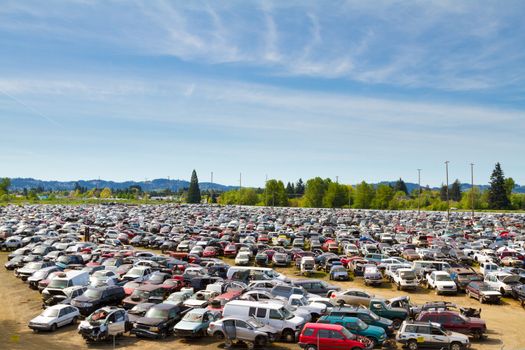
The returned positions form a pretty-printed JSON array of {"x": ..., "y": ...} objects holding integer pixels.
[
  {"x": 484, "y": 292},
  {"x": 518, "y": 293},
  {"x": 338, "y": 273},
  {"x": 502, "y": 281},
  {"x": 351, "y": 297},
  {"x": 139, "y": 311},
  {"x": 421, "y": 335},
  {"x": 195, "y": 323},
  {"x": 365, "y": 315},
  {"x": 54, "y": 317},
  {"x": 320, "y": 336},
  {"x": 146, "y": 293},
  {"x": 372, "y": 276},
  {"x": 158, "y": 321},
  {"x": 314, "y": 286},
  {"x": 441, "y": 282},
  {"x": 453, "y": 321},
  {"x": 376, "y": 335},
  {"x": 243, "y": 328},
  {"x": 104, "y": 323},
  {"x": 94, "y": 298}
]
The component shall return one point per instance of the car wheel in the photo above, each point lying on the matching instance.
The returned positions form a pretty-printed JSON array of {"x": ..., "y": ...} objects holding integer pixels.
[
  {"x": 477, "y": 335},
  {"x": 455, "y": 346},
  {"x": 412, "y": 345},
  {"x": 502, "y": 291},
  {"x": 310, "y": 347},
  {"x": 289, "y": 336},
  {"x": 374, "y": 341},
  {"x": 218, "y": 335},
  {"x": 53, "y": 327},
  {"x": 261, "y": 341},
  {"x": 398, "y": 286}
]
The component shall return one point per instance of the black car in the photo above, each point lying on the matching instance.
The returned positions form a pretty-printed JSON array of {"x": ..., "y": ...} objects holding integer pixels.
[
  {"x": 158, "y": 321},
  {"x": 139, "y": 311},
  {"x": 316, "y": 286},
  {"x": 95, "y": 298}
]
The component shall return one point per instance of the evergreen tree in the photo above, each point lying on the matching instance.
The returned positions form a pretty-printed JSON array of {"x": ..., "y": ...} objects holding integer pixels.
[
  {"x": 290, "y": 189},
  {"x": 194, "y": 193},
  {"x": 443, "y": 193},
  {"x": 498, "y": 198},
  {"x": 299, "y": 187},
  {"x": 455, "y": 191},
  {"x": 400, "y": 186}
]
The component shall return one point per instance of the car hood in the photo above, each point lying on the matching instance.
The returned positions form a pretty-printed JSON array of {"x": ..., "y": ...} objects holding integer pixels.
[
  {"x": 187, "y": 326},
  {"x": 150, "y": 321},
  {"x": 490, "y": 292},
  {"x": 511, "y": 279},
  {"x": 476, "y": 321},
  {"x": 83, "y": 299},
  {"x": 458, "y": 336},
  {"x": 43, "y": 319}
]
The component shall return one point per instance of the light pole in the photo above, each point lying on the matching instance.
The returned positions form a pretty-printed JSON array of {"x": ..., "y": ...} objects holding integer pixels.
[
  {"x": 472, "y": 188},
  {"x": 266, "y": 190},
  {"x": 419, "y": 190},
  {"x": 448, "y": 201}
]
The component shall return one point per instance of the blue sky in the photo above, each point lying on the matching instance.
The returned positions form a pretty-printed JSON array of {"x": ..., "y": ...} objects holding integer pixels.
[{"x": 373, "y": 90}]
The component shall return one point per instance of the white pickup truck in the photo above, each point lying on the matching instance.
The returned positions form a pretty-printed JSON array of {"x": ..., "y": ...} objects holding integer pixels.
[{"x": 405, "y": 278}]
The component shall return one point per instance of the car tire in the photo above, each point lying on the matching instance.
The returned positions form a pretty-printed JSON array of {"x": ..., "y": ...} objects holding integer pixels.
[
  {"x": 396, "y": 323},
  {"x": 456, "y": 346},
  {"x": 412, "y": 345},
  {"x": 374, "y": 341},
  {"x": 53, "y": 327},
  {"x": 398, "y": 286},
  {"x": 261, "y": 341},
  {"x": 310, "y": 347},
  {"x": 218, "y": 335},
  {"x": 289, "y": 336}
]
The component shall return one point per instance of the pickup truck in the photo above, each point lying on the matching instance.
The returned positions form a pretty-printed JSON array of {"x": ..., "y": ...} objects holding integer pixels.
[
  {"x": 381, "y": 308},
  {"x": 405, "y": 278}
]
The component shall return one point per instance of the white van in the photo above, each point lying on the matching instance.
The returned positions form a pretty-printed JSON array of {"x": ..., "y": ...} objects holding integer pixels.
[
  {"x": 255, "y": 270},
  {"x": 272, "y": 313},
  {"x": 65, "y": 280},
  {"x": 487, "y": 267},
  {"x": 425, "y": 266}
]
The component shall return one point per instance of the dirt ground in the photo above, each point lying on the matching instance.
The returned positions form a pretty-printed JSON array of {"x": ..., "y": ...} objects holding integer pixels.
[{"x": 505, "y": 322}]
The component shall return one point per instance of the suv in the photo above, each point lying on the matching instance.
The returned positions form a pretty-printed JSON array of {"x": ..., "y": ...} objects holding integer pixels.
[
  {"x": 328, "y": 337},
  {"x": 441, "y": 282},
  {"x": 246, "y": 329},
  {"x": 158, "y": 321},
  {"x": 453, "y": 321},
  {"x": 93, "y": 298},
  {"x": 426, "y": 334}
]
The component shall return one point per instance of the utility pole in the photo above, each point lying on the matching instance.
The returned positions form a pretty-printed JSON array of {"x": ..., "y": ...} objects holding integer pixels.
[
  {"x": 419, "y": 190},
  {"x": 211, "y": 188},
  {"x": 240, "y": 181},
  {"x": 337, "y": 179},
  {"x": 266, "y": 190},
  {"x": 472, "y": 189},
  {"x": 448, "y": 199}
]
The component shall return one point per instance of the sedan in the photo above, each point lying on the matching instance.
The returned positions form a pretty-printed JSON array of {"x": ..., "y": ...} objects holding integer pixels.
[
  {"x": 55, "y": 316},
  {"x": 351, "y": 297}
]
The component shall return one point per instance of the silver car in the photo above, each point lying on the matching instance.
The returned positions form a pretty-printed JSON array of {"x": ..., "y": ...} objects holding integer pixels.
[{"x": 246, "y": 329}]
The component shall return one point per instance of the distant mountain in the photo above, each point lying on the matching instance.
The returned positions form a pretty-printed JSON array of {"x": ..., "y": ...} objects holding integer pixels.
[
  {"x": 174, "y": 185},
  {"x": 153, "y": 185}
]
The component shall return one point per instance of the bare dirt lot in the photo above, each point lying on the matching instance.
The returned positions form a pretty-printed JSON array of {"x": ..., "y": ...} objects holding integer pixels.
[{"x": 506, "y": 322}]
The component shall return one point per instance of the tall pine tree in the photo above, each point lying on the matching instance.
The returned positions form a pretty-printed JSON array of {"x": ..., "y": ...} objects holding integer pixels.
[
  {"x": 400, "y": 186},
  {"x": 299, "y": 187},
  {"x": 455, "y": 191},
  {"x": 498, "y": 198},
  {"x": 194, "y": 192}
]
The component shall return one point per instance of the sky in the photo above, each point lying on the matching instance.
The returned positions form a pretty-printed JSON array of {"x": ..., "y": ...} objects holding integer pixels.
[{"x": 359, "y": 90}]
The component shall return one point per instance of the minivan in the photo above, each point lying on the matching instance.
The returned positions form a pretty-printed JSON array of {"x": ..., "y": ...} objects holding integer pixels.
[
  {"x": 271, "y": 313},
  {"x": 66, "y": 279}
]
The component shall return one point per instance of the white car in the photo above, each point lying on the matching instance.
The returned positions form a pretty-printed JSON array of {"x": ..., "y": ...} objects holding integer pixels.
[
  {"x": 242, "y": 259},
  {"x": 103, "y": 278},
  {"x": 441, "y": 282},
  {"x": 55, "y": 316},
  {"x": 485, "y": 255},
  {"x": 502, "y": 281},
  {"x": 137, "y": 274},
  {"x": 405, "y": 278}
]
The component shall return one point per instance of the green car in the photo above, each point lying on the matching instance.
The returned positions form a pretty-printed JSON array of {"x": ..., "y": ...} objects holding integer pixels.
[{"x": 356, "y": 326}]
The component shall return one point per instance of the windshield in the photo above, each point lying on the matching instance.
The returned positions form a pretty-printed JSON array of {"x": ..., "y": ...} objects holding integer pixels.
[
  {"x": 142, "y": 294},
  {"x": 407, "y": 274},
  {"x": 443, "y": 278},
  {"x": 176, "y": 297},
  {"x": 50, "y": 313},
  {"x": 347, "y": 333},
  {"x": 157, "y": 313},
  {"x": 135, "y": 272},
  {"x": 40, "y": 274},
  {"x": 32, "y": 266},
  {"x": 59, "y": 284},
  {"x": 287, "y": 314},
  {"x": 92, "y": 293},
  {"x": 374, "y": 316},
  {"x": 361, "y": 325},
  {"x": 193, "y": 317}
]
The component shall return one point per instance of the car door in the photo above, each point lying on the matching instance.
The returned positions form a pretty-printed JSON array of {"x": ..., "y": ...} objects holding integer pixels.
[
  {"x": 424, "y": 338},
  {"x": 324, "y": 340},
  {"x": 116, "y": 323},
  {"x": 455, "y": 323},
  {"x": 62, "y": 317},
  {"x": 275, "y": 319},
  {"x": 244, "y": 331},
  {"x": 439, "y": 339},
  {"x": 338, "y": 340}
]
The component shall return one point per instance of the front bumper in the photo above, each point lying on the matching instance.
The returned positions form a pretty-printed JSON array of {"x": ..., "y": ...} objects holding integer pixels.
[
  {"x": 146, "y": 332},
  {"x": 39, "y": 326}
]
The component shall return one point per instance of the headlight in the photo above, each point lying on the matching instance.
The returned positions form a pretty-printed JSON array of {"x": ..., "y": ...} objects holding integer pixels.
[{"x": 154, "y": 329}]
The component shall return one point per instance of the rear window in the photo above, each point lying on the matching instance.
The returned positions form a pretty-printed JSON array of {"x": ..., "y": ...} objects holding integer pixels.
[{"x": 308, "y": 332}]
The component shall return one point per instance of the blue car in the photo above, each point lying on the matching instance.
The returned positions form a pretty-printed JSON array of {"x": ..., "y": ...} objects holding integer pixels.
[
  {"x": 376, "y": 334},
  {"x": 195, "y": 323}
]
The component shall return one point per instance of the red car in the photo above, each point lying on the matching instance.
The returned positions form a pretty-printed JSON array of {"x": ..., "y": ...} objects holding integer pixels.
[
  {"x": 210, "y": 252},
  {"x": 453, "y": 321},
  {"x": 230, "y": 250},
  {"x": 322, "y": 336}
]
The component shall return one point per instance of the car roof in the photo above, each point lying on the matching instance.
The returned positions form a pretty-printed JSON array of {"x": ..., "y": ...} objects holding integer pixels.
[
  {"x": 149, "y": 287},
  {"x": 330, "y": 326},
  {"x": 165, "y": 306},
  {"x": 59, "y": 306}
]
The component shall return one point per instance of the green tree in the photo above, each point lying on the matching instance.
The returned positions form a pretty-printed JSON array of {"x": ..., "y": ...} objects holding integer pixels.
[
  {"x": 314, "y": 192},
  {"x": 106, "y": 193},
  {"x": 401, "y": 186},
  {"x": 336, "y": 195},
  {"x": 443, "y": 193},
  {"x": 4, "y": 185},
  {"x": 275, "y": 194},
  {"x": 290, "y": 189},
  {"x": 469, "y": 196},
  {"x": 509, "y": 186},
  {"x": 384, "y": 194},
  {"x": 247, "y": 196},
  {"x": 498, "y": 198},
  {"x": 299, "y": 187},
  {"x": 194, "y": 193},
  {"x": 364, "y": 196},
  {"x": 455, "y": 191}
]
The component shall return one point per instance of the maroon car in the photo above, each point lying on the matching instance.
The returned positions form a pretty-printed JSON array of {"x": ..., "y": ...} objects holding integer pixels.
[{"x": 455, "y": 322}]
